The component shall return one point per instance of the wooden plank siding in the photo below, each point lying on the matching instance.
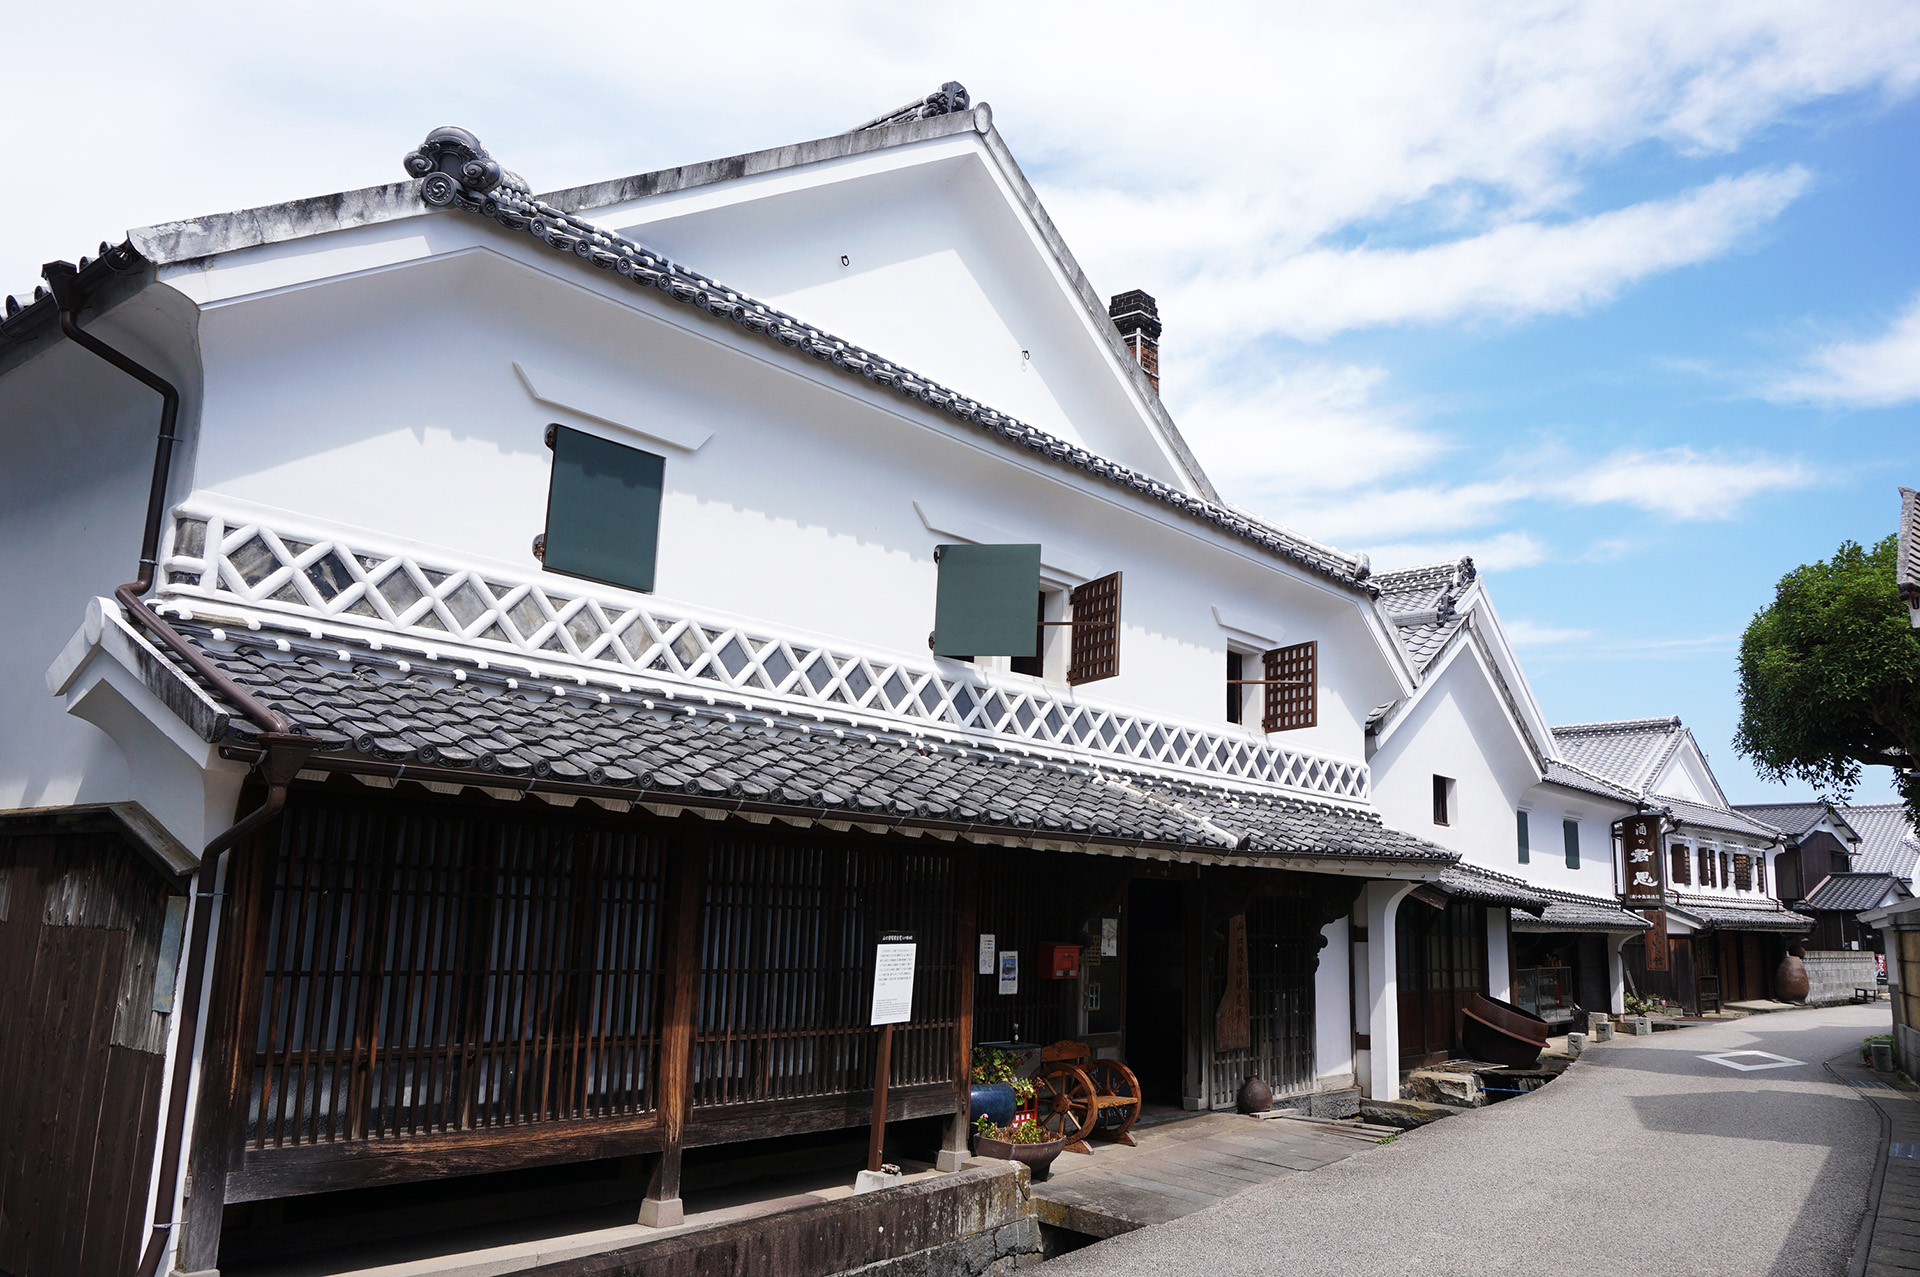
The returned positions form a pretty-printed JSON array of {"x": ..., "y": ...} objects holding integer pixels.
[{"x": 81, "y": 1050}]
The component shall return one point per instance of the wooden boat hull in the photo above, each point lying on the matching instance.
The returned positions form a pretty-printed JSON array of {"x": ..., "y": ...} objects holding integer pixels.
[{"x": 1501, "y": 1033}]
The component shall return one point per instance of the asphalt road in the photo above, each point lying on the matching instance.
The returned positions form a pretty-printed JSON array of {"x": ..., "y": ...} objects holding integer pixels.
[{"x": 1642, "y": 1158}]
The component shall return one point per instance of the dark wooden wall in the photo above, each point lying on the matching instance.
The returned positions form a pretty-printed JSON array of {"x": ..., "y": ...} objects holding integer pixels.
[
  {"x": 82, "y": 917},
  {"x": 1442, "y": 959}
]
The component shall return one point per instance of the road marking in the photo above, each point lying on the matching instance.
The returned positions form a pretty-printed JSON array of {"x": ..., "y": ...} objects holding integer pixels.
[
  {"x": 1904, "y": 1150},
  {"x": 1763, "y": 1060}
]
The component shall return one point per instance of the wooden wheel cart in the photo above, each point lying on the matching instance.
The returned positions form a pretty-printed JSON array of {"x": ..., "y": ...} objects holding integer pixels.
[{"x": 1073, "y": 1093}]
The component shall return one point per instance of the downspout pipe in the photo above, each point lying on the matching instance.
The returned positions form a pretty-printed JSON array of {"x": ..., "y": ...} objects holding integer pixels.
[{"x": 284, "y": 755}]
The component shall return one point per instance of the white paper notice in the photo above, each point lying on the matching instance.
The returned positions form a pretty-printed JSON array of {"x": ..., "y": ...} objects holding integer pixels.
[
  {"x": 986, "y": 953},
  {"x": 893, "y": 983},
  {"x": 1109, "y": 937},
  {"x": 1010, "y": 971}
]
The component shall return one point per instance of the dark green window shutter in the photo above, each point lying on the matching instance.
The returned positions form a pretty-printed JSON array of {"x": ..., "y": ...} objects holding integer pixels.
[
  {"x": 603, "y": 510},
  {"x": 1526, "y": 848},
  {"x": 988, "y": 602},
  {"x": 1571, "y": 828}
]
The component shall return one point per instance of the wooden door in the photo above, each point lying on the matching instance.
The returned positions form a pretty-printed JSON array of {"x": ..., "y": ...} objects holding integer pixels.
[
  {"x": 1753, "y": 967},
  {"x": 1441, "y": 955}
]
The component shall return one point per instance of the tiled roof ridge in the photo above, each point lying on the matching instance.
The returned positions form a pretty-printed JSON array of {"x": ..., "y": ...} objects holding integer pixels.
[
  {"x": 1618, "y": 725},
  {"x": 1164, "y": 789},
  {"x": 456, "y": 171},
  {"x": 1614, "y": 788}
]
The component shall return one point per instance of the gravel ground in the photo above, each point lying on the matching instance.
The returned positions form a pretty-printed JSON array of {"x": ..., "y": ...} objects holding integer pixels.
[{"x": 1641, "y": 1158}]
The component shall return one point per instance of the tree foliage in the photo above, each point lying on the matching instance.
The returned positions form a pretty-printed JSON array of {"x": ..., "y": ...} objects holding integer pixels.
[{"x": 1830, "y": 676}]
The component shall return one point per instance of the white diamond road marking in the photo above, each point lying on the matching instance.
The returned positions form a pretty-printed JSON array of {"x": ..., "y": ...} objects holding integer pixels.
[
  {"x": 1910, "y": 1151},
  {"x": 1765, "y": 1060}
]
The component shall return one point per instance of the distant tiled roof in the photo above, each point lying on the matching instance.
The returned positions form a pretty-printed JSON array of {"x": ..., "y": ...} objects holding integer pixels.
[
  {"x": 1726, "y": 915},
  {"x": 489, "y": 730},
  {"x": 1570, "y": 777},
  {"x": 1792, "y": 819},
  {"x": 1471, "y": 882},
  {"x": 1567, "y": 911},
  {"x": 1420, "y": 601},
  {"x": 1629, "y": 752},
  {"x": 1852, "y": 892},
  {"x": 1701, "y": 816},
  {"x": 1887, "y": 840},
  {"x": 1906, "y": 570}
]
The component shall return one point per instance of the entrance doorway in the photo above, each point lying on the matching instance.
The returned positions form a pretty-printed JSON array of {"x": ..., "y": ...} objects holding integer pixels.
[{"x": 1156, "y": 987}]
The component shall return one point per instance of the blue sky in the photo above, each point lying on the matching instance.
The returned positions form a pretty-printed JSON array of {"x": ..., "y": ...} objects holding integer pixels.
[{"x": 1623, "y": 299}]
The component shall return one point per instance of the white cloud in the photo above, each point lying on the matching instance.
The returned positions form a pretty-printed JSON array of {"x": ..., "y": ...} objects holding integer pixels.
[
  {"x": 1490, "y": 554},
  {"x": 1512, "y": 271},
  {"x": 1876, "y": 373},
  {"x": 1680, "y": 483},
  {"x": 1524, "y": 633}
]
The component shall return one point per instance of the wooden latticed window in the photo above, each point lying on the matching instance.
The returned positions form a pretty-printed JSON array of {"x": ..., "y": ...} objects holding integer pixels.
[
  {"x": 1682, "y": 870},
  {"x": 1760, "y": 871},
  {"x": 1293, "y": 687},
  {"x": 1706, "y": 867},
  {"x": 1096, "y": 630},
  {"x": 1743, "y": 872}
]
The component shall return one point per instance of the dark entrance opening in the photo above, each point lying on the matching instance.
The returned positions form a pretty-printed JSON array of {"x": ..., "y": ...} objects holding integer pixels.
[
  {"x": 1442, "y": 958},
  {"x": 1156, "y": 987}
]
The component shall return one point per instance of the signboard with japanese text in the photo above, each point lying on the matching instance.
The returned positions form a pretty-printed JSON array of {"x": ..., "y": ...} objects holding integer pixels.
[
  {"x": 1644, "y": 876},
  {"x": 893, "y": 980},
  {"x": 1232, "y": 1019},
  {"x": 1009, "y": 971},
  {"x": 987, "y": 952}
]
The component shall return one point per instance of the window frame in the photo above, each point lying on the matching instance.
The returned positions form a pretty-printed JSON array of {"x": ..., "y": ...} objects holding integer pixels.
[
  {"x": 1570, "y": 835},
  {"x": 1680, "y": 864},
  {"x": 1443, "y": 800},
  {"x": 1283, "y": 708},
  {"x": 1523, "y": 835}
]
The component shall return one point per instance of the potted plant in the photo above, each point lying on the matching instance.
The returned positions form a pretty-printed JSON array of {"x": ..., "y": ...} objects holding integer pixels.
[
  {"x": 1027, "y": 1142},
  {"x": 996, "y": 1091}
]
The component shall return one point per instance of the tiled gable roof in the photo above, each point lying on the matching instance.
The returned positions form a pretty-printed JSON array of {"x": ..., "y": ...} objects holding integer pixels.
[
  {"x": 1701, "y": 816},
  {"x": 1852, "y": 892},
  {"x": 1421, "y": 604},
  {"x": 456, "y": 172},
  {"x": 1888, "y": 843},
  {"x": 1792, "y": 819},
  {"x": 1471, "y": 882},
  {"x": 374, "y": 713},
  {"x": 1568, "y": 776},
  {"x": 1628, "y": 753}
]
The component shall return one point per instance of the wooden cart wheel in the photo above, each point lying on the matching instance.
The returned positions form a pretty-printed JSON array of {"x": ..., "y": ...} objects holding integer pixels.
[
  {"x": 1112, "y": 1079},
  {"x": 1063, "y": 1101}
]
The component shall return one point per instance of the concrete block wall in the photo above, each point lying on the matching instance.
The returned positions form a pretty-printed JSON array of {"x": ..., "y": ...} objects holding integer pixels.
[{"x": 1833, "y": 974}]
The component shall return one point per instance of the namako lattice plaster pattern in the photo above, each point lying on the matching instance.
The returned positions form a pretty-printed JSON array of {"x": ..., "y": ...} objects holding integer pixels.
[{"x": 367, "y": 590}]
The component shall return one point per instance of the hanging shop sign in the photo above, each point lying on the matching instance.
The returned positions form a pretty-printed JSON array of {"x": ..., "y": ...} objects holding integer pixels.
[
  {"x": 1645, "y": 870},
  {"x": 1233, "y": 1021},
  {"x": 1657, "y": 943}
]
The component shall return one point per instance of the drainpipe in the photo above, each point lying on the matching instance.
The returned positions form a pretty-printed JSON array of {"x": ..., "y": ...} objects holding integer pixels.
[{"x": 284, "y": 756}]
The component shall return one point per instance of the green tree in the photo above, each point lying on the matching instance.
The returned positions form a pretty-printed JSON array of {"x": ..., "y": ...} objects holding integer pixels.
[{"x": 1830, "y": 676}]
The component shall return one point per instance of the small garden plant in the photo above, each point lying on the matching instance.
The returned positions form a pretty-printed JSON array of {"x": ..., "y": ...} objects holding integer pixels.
[
  {"x": 993, "y": 1067},
  {"x": 1024, "y": 1132}
]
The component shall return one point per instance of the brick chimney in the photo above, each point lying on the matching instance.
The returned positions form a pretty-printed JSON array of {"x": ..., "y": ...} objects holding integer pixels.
[{"x": 1138, "y": 319}]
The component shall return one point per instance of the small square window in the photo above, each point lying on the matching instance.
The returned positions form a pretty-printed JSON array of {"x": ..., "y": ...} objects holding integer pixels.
[{"x": 603, "y": 510}]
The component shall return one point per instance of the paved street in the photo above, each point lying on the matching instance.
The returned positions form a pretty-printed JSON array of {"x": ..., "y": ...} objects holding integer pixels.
[{"x": 1642, "y": 1158}]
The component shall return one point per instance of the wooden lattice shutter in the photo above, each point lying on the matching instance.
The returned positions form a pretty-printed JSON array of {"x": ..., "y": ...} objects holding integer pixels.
[
  {"x": 1096, "y": 630},
  {"x": 1743, "y": 872},
  {"x": 1293, "y": 687},
  {"x": 1682, "y": 872}
]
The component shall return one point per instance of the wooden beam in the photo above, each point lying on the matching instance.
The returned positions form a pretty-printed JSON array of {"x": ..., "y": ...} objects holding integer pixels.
[
  {"x": 685, "y": 894},
  {"x": 966, "y": 876}
]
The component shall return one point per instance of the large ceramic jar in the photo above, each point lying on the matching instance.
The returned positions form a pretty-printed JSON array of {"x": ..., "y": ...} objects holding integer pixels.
[
  {"x": 1255, "y": 1096},
  {"x": 996, "y": 1100},
  {"x": 1790, "y": 980}
]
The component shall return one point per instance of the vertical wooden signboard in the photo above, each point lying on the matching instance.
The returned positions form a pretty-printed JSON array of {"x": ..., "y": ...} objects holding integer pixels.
[
  {"x": 892, "y": 1004},
  {"x": 1644, "y": 877},
  {"x": 1232, "y": 1022},
  {"x": 1657, "y": 945}
]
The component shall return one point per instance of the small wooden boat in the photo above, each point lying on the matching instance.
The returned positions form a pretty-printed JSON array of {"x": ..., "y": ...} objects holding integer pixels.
[{"x": 1501, "y": 1033}]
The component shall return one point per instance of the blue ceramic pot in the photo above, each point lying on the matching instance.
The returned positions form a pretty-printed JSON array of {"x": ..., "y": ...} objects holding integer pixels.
[{"x": 996, "y": 1100}]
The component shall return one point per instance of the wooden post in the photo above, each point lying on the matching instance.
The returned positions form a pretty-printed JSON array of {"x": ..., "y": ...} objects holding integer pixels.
[
  {"x": 881, "y": 1068},
  {"x": 685, "y": 890},
  {"x": 966, "y": 949},
  {"x": 218, "y": 1133}
]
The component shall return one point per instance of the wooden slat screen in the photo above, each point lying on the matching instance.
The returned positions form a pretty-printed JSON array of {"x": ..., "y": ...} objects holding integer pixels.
[
  {"x": 1096, "y": 630},
  {"x": 1743, "y": 871},
  {"x": 1283, "y": 947},
  {"x": 435, "y": 969},
  {"x": 1294, "y": 700},
  {"x": 786, "y": 977},
  {"x": 1682, "y": 869},
  {"x": 1025, "y": 900}
]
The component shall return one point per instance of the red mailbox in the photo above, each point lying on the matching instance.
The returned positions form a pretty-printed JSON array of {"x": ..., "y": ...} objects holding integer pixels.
[{"x": 1060, "y": 961}]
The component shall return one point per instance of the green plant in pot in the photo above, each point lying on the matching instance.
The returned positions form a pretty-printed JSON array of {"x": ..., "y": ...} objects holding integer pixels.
[
  {"x": 996, "y": 1090},
  {"x": 1026, "y": 1142}
]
